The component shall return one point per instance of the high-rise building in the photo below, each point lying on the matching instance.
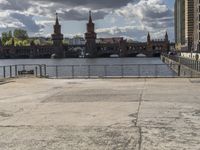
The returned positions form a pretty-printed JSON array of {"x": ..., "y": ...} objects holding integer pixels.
[
  {"x": 196, "y": 25},
  {"x": 189, "y": 23},
  {"x": 179, "y": 16},
  {"x": 184, "y": 24}
]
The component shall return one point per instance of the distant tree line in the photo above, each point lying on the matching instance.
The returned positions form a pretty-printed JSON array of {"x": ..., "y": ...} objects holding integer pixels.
[{"x": 20, "y": 38}]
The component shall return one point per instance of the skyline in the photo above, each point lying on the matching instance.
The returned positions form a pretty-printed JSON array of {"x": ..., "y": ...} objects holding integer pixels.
[{"x": 127, "y": 18}]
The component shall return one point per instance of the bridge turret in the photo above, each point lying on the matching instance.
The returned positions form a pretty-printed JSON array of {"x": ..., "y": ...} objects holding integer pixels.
[
  {"x": 57, "y": 38},
  {"x": 166, "y": 37},
  {"x": 148, "y": 38},
  {"x": 90, "y": 37}
]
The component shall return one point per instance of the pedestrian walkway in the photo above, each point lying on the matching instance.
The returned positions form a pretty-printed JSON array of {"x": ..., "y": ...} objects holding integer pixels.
[{"x": 99, "y": 114}]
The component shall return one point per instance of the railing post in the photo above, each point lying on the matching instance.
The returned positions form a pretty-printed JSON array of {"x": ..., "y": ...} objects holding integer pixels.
[
  {"x": 89, "y": 74},
  {"x": 10, "y": 71},
  {"x": 40, "y": 71},
  {"x": 179, "y": 70},
  {"x": 16, "y": 74},
  {"x": 122, "y": 71},
  {"x": 45, "y": 71},
  {"x": 36, "y": 71},
  {"x": 4, "y": 71},
  {"x": 72, "y": 71},
  {"x": 105, "y": 70},
  {"x": 156, "y": 70},
  {"x": 139, "y": 72},
  {"x": 56, "y": 72}
]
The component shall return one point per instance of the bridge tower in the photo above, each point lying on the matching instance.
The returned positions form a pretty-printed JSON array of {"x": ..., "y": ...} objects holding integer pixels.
[
  {"x": 148, "y": 38},
  {"x": 57, "y": 38},
  {"x": 90, "y": 36},
  {"x": 166, "y": 45}
]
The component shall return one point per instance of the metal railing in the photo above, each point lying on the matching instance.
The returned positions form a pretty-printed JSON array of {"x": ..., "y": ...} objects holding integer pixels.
[
  {"x": 106, "y": 71},
  {"x": 88, "y": 71},
  {"x": 191, "y": 63},
  {"x": 102, "y": 71},
  {"x": 12, "y": 71}
]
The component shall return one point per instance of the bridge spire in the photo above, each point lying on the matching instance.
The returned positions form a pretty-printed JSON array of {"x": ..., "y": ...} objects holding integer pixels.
[
  {"x": 90, "y": 16},
  {"x": 57, "y": 21},
  {"x": 166, "y": 36},
  {"x": 148, "y": 38}
]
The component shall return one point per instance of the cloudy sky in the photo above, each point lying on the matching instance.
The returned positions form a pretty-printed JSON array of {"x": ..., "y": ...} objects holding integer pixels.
[{"x": 128, "y": 18}]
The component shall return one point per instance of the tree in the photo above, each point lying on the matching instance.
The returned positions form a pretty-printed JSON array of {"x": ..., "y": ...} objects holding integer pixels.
[
  {"x": 20, "y": 34},
  {"x": 6, "y": 36}
]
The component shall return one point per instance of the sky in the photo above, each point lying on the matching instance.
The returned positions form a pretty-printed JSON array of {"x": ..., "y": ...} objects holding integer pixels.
[{"x": 131, "y": 19}]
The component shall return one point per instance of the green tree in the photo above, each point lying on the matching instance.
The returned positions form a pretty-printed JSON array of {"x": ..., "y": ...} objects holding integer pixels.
[
  {"x": 20, "y": 34},
  {"x": 6, "y": 36}
]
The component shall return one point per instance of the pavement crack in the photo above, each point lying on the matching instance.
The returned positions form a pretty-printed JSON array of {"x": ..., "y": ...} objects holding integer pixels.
[
  {"x": 140, "y": 103},
  {"x": 140, "y": 138}
]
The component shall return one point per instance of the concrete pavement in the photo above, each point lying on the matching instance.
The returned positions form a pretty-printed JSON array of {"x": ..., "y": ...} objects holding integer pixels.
[{"x": 100, "y": 114}]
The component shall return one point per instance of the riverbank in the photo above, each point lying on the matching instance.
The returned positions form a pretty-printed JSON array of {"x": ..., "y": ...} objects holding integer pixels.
[{"x": 140, "y": 114}]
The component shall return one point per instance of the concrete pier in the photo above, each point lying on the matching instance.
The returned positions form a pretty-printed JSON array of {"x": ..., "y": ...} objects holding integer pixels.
[{"x": 120, "y": 114}]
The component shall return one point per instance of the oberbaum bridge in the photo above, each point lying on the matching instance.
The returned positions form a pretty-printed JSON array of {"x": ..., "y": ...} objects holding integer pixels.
[{"x": 102, "y": 47}]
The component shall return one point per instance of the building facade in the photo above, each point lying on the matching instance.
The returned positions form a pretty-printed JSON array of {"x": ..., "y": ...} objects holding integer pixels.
[
  {"x": 185, "y": 15},
  {"x": 197, "y": 25},
  {"x": 179, "y": 23},
  {"x": 189, "y": 24}
]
